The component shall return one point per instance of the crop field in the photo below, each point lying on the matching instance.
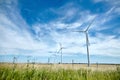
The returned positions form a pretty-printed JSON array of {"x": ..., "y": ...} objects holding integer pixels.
[{"x": 9, "y": 71}]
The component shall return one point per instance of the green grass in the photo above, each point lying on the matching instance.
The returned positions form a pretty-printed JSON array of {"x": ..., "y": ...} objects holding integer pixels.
[{"x": 8, "y": 73}]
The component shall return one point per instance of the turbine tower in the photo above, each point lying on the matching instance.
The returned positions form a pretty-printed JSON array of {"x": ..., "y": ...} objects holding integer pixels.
[
  {"x": 60, "y": 51},
  {"x": 87, "y": 40}
]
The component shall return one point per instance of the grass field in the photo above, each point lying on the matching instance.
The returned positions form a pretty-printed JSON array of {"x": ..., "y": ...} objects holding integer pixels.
[{"x": 58, "y": 72}]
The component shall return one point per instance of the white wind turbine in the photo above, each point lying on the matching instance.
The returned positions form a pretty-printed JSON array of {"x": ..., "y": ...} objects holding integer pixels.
[
  {"x": 15, "y": 62},
  {"x": 28, "y": 61},
  {"x": 54, "y": 56},
  {"x": 14, "y": 59},
  {"x": 60, "y": 51},
  {"x": 48, "y": 60},
  {"x": 87, "y": 39}
]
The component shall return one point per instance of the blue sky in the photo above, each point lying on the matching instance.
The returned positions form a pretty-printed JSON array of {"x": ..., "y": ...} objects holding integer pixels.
[{"x": 35, "y": 28}]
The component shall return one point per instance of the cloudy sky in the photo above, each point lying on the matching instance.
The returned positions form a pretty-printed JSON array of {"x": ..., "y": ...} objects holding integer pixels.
[{"x": 35, "y": 28}]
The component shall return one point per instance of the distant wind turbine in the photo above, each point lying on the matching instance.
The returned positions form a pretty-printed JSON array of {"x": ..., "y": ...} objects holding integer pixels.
[
  {"x": 33, "y": 62},
  {"x": 54, "y": 55},
  {"x": 60, "y": 51},
  {"x": 48, "y": 60},
  {"x": 28, "y": 61},
  {"x": 87, "y": 39},
  {"x": 14, "y": 60}
]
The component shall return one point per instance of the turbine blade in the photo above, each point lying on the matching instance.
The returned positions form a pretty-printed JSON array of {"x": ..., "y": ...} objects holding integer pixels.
[
  {"x": 59, "y": 50},
  {"x": 64, "y": 48},
  {"x": 60, "y": 45},
  {"x": 90, "y": 24},
  {"x": 78, "y": 31}
]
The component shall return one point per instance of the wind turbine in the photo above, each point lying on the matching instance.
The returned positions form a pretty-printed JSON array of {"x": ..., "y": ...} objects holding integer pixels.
[
  {"x": 87, "y": 40},
  {"x": 33, "y": 62},
  {"x": 54, "y": 55},
  {"x": 28, "y": 61},
  {"x": 14, "y": 60},
  {"x": 48, "y": 60},
  {"x": 60, "y": 51},
  {"x": 14, "y": 63}
]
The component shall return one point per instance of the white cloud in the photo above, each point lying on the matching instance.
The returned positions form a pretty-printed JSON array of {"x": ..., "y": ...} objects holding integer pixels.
[
  {"x": 15, "y": 32},
  {"x": 59, "y": 25},
  {"x": 82, "y": 18},
  {"x": 12, "y": 38},
  {"x": 19, "y": 40},
  {"x": 100, "y": 44},
  {"x": 114, "y": 5},
  {"x": 75, "y": 42},
  {"x": 105, "y": 45},
  {"x": 117, "y": 10}
]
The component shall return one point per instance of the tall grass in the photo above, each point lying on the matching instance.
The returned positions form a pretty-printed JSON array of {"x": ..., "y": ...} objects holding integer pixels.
[{"x": 57, "y": 74}]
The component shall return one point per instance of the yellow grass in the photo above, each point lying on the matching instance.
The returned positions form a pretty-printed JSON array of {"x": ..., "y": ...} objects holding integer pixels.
[{"x": 101, "y": 67}]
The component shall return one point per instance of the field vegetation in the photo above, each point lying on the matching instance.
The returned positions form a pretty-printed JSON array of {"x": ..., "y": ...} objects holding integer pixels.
[{"x": 53, "y": 72}]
